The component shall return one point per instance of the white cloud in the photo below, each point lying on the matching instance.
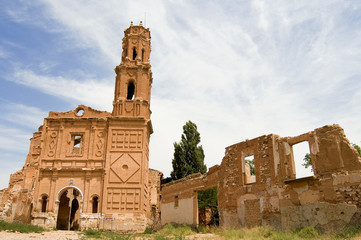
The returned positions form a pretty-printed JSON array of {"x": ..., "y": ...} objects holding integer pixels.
[
  {"x": 13, "y": 139},
  {"x": 23, "y": 115},
  {"x": 238, "y": 70},
  {"x": 93, "y": 92}
]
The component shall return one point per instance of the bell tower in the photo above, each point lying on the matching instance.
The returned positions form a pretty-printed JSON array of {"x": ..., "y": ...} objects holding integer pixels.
[
  {"x": 134, "y": 75},
  {"x": 126, "y": 193}
]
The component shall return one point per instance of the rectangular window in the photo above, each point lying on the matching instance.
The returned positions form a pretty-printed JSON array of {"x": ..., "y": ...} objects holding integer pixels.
[
  {"x": 302, "y": 159},
  {"x": 249, "y": 170},
  {"x": 77, "y": 144}
]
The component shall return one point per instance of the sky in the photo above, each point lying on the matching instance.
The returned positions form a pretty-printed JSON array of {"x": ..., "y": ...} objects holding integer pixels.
[{"x": 238, "y": 69}]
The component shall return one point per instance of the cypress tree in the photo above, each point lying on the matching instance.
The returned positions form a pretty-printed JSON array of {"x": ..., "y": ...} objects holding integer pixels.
[{"x": 188, "y": 157}]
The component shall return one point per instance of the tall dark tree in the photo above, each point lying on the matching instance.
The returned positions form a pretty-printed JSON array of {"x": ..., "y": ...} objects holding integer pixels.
[{"x": 188, "y": 156}]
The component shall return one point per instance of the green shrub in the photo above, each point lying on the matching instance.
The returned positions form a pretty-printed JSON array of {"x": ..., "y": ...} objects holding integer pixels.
[
  {"x": 308, "y": 232},
  {"x": 117, "y": 236},
  {"x": 149, "y": 231},
  {"x": 231, "y": 233},
  {"x": 20, "y": 227},
  {"x": 202, "y": 229},
  {"x": 279, "y": 235},
  {"x": 161, "y": 238},
  {"x": 171, "y": 230},
  {"x": 349, "y": 232},
  {"x": 92, "y": 233}
]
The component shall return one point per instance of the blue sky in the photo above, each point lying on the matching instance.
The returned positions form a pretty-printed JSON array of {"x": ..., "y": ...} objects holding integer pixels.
[{"x": 238, "y": 69}]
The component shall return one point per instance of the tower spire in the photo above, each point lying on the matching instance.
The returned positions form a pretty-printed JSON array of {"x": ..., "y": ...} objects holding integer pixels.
[{"x": 134, "y": 76}]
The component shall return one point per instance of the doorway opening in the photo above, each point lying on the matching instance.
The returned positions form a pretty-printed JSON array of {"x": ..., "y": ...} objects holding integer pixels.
[
  {"x": 69, "y": 211},
  {"x": 208, "y": 207}
]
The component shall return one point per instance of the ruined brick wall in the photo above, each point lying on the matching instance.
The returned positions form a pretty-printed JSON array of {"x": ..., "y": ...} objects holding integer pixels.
[
  {"x": 154, "y": 187},
  {"x": 329, "y": 200},
  {"x": 250, "y": 202},
  {"x": 17, "y": 200},
  {"x": 179, "y": 198}
]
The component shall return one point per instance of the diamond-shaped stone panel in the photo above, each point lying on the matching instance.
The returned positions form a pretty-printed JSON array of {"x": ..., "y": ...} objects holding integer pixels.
[{"x": 124, "y": 166}]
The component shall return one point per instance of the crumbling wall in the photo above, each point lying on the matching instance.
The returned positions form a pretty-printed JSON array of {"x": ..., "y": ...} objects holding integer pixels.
[
  {"x": 154, "y": 187},
  {"x": 16, "y": 202},
  {"x": 329, "y": 200},
  {"x": 179, "y": 198}
]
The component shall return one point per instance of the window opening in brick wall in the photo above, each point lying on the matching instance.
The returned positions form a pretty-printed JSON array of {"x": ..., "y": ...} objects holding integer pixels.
[
  {"x": 142, "y": 55},
  {"x": 44, "y": 201},
  {"x": 77, "y": 141},
  {"x": 300, "y": 152},
  {"x": 249, "y": 169},
  {"x": 134, "y": 53},
  {"x": 131, "y": 88},
  {"x": 95, "y": 205}
]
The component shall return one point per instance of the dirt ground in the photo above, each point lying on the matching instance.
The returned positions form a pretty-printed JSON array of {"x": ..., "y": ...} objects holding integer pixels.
[
  {"x": 71, "y": 235},
  {"x": 52, "y": 235}
]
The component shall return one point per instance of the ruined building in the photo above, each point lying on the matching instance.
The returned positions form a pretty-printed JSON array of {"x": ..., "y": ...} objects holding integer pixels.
[
  {"x": 273, "y": 196},
  {"x": 89, "y": 168}
]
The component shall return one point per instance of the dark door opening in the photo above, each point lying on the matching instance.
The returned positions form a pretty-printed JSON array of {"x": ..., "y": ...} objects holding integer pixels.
[
  {"x": 74, "y": 216},
  {"x": 68, "y": 213}
]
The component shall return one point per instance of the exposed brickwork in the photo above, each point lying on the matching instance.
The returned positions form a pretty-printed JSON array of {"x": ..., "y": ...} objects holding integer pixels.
[{"x": 277, "y": 198}]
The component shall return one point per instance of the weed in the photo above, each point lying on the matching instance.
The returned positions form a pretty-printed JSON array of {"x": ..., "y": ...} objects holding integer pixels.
[
  {"x": 149, "y": 230},
  {"x": 279, "y": 235},
  {"x": 232, "y": 233},
  {"x": 171, "y": 230},
  {"x": 93, "y": 233},
  {"x": 349, "y": 232},
  {"x": 308, "y": 232},
  {"x": 20, "y": 227},
  {"x": 202, "y": 229},
  {"x": 161, "y": 238}
]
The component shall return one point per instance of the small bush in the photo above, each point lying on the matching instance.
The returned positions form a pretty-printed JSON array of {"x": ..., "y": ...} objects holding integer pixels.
[
  {"x": 149, "y": 231},
  {"x": 117, "y": 236},
  {"x": 349, "y": 232},
  {"x": 308, "y": 232},
  {"x": 202, "y": 229},
  {"x": 171, "y": 230},
  {"x": 232, "y": 233},
  {"x": 92, "y": 233},
  {"x": 278, "y": 235},
  {"x": 161, "y": 238},
  {"x": 20, "y": 227}
]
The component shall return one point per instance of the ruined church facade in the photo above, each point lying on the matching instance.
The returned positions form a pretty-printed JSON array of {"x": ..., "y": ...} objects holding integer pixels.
[{"x": 89, "y": 168}]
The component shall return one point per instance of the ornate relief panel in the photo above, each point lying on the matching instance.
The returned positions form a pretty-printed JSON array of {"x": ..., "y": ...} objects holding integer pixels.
[
  {"x": 125, "y": 168},
  {"x": 53, "y": 139},
  {"x": 127, "y": 199},
  {"x": 123, "y": 139},
  {"x": 99, "y": 144}
]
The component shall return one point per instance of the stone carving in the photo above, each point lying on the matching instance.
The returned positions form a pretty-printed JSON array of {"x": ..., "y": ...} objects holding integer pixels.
[
  {"x": 123, "y": 199},
  {"x": 122, "y": 139},
  {"x": 124, "y": 167},
  {"x": 99, "y": 144},
  {"x": 52, "y": 144}
]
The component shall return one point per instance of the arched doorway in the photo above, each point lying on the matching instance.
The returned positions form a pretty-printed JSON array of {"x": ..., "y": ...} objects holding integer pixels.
[{"x": 69, "y": 210}]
